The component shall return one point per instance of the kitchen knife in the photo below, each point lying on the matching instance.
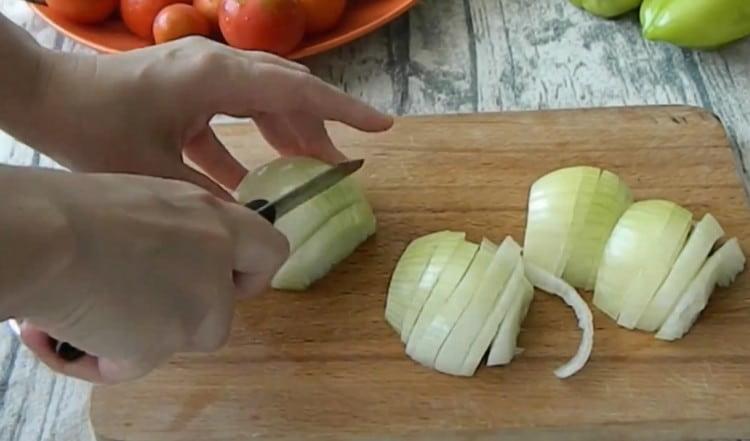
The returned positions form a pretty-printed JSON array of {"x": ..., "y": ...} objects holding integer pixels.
[{"x": 269, "y": 210}]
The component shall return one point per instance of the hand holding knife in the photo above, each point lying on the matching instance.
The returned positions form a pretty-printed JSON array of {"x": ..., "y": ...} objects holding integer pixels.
[{"x": 269, "y": 210}]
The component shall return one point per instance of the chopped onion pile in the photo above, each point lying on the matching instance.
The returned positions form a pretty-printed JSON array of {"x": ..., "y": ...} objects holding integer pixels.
[
  {"x": 321, "y": 232},
  {"x": 649, "y": 265}
]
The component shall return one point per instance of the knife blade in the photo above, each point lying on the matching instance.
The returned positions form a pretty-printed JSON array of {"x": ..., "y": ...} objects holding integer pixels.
[
  {"x": 269, "y": 210},
  {"x": 272, "y": 210}
]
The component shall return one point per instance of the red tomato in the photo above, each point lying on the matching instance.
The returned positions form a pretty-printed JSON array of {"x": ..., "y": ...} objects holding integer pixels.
[
  {"x": 210, "y": 10},
  {"x": 84, "y": 11},
  {"x": 276, "y": 26},
  {"x": 179, "y": 20},
  {"x": 322, "y": 15},
  {"x": 139, "y": 15}
]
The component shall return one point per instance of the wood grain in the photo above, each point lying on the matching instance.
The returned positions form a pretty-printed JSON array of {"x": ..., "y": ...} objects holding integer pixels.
[{"x": 325, "y": 365}]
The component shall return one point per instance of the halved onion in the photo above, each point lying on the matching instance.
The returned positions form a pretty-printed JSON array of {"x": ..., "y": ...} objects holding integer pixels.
[
  {"x": 638, "y": 255},
  {"x": 571, "y": 213},
  {"x": 720, "y": 269},
  {"x": 688, "y": 263},
  {"x": 321, "y": 232}
]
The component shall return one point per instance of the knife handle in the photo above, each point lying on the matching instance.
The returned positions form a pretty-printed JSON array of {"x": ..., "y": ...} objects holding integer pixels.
[{"x": 68, "y": 352}]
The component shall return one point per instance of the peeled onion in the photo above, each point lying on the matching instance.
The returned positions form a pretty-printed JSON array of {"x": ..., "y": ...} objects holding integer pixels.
[
  {"x": 321, "y": 232},
  {"x": 571, "y": 214}
]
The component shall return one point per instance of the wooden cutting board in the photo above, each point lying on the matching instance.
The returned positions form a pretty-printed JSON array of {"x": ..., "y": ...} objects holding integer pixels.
[{"x": 324, "y": 365}]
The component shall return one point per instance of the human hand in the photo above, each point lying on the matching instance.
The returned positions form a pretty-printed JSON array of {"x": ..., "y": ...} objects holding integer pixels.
[
  {"x": 144, "y": 268},
  {"x": 137, "y": 112}
]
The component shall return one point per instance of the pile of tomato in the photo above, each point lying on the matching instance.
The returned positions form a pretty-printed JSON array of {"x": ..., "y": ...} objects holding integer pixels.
[{"x": 277, "y": 26}]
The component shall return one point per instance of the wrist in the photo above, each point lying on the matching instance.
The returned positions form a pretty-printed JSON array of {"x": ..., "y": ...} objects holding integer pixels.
[{"x": 35, "y": 241}]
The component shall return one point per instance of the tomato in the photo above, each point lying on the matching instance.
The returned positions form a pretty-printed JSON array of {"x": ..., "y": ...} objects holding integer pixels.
[
  {"x": 322, "y": 15},
  {"x": 139, "y": 15},
  {"x": 84, "y": 11},
  {"x": 210, "y": 10},
  {"x": 179, "y": 20},
  {"x": 276, "y": 26}
]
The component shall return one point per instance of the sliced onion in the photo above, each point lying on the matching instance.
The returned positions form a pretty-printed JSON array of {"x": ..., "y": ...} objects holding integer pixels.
[
  {"x": 554, "y": 285},
  {"x": 720, "y": 269},
  {"x": 609, "y": 202},
  {"x": 406, "y": 275},
  {"x": 451, "y": 277},
  {"x": 311, "y": 226},
  {"x": 658, "y": 260},
  {"x": 635, "y": 245},
  {"x": 504, "y": 348},
  {"x": 571, "y": 214},
  {"x": 464, "y": 334},
  {"x": 336, "y": 239},
  {"x": 552, "y": 204},
  {"x": 427, "y": 348},
  {"x": 444, "y": 249},
  {"x": 688, "y": 263}
]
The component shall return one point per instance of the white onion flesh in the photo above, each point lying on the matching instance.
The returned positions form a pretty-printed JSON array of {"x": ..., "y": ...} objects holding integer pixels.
[
  {"x": 504, "y": 347},
  {"x": 661, "y": 255},
  {"x": 634, "y": 246},
  {"x": 443, "y": 251},
  {"x": 437, "y": 331},
  {"x": 571, "y": 213},
  {"x": 554, "y": 285},
  {"x": 458, "y": 344},
  {"x": 332, "y": 224},
  {"x": 407, "y": 274},
  {"x": 451, "y": 276},
  {"x": 688, "y": 263},
  {"x": 719, "y": 269}
]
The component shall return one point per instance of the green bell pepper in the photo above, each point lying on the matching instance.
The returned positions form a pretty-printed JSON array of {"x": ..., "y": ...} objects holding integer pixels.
[
  {"x": 695, "y": 24},
  {"x": 607, "y": 8}
]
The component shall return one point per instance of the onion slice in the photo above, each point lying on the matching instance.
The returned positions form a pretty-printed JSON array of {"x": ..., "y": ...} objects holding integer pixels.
[
  {"x": 720, "y": 269},
  {"x": 554, "y": 285},
  {"x": 504, "y": 348},
  {"x": 688, "y": 263}
]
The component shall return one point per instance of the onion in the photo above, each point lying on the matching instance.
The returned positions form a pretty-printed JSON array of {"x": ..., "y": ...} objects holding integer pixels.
[
  {"x": 570, "y": 216},
  {"x": 452, "y": 275},
  {"x": 687, "y": 265},
  {"x": 459, "y": 343},
  {"x": 443, "y": 251},
  {"x": 719, "y": 269},
  {"x": 554, "y": 285},
  {"x": 407, "y": 275},
  {"x": 638, "y": 256},
  {"x": 321, "y": 232},
  {"x": 436, "y": 332}
]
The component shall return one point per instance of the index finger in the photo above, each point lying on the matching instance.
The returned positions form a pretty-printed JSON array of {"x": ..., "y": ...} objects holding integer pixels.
[{"x": 322, "y": 99}]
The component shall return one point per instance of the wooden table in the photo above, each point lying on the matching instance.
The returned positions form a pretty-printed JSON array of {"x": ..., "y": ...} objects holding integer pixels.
[{"x": 443, "y": 57}]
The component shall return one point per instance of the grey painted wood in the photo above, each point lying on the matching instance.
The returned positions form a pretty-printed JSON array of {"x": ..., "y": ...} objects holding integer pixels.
[{"x": 443, "y": 57}]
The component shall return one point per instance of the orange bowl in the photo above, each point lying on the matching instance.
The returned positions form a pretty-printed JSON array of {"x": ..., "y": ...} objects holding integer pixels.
[{"x": 360, "y": 18}]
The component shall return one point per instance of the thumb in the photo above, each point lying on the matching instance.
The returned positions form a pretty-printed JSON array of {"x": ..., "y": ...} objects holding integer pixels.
[{"x": 188, "y": 174}]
